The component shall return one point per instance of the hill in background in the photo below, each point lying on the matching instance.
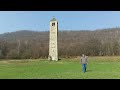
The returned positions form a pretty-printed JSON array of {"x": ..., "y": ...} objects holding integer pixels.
[{"x": 34, "y": 44}]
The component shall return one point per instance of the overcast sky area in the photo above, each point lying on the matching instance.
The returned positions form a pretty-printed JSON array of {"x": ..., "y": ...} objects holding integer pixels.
[{"x": 11, "y": 21}]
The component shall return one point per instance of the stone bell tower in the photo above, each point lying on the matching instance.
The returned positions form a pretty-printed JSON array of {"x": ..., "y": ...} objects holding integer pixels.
[{"x": 53, "y": 40}]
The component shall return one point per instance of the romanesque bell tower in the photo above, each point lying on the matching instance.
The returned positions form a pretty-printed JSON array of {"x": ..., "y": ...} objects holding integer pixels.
[{"x": 53, "y": 40}]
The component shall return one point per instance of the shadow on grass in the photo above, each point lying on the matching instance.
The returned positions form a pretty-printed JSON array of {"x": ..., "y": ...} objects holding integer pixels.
[{"x": 88, "y": 70}]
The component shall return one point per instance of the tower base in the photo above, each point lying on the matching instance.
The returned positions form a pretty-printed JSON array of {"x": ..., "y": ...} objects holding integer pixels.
[{"x": 52, "y": 58}]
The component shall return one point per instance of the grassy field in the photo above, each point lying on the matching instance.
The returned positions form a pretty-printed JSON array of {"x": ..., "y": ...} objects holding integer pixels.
[{"x": 98, "y": 68}]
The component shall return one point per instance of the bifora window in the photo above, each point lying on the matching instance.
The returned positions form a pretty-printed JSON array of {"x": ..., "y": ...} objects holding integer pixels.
[{"x": 53, "y": 24}]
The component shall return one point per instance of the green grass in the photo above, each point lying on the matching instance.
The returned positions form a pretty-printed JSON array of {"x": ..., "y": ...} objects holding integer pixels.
[{"x": 97, "y": 68}]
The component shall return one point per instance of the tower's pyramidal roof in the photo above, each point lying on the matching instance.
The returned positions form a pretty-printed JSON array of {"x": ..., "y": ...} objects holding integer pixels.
[{"x": 53, "y": 19}]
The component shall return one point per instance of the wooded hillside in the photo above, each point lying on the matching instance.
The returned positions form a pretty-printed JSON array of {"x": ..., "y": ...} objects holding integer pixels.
[{"x": 31, "y": 44}]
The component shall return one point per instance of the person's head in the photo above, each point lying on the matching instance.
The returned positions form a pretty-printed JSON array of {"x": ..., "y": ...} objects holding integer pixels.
[{"x": 83, "y": 55}]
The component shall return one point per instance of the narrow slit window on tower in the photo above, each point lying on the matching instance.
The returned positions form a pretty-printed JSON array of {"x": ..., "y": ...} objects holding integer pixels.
[{"x": 53, "y": 24}]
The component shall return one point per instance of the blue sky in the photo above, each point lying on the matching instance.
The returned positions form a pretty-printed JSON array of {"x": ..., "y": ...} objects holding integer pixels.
[{"x": 11, "y": 21}]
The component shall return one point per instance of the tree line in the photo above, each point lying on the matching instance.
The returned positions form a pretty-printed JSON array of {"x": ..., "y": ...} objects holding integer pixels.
[{"x": 26, "y": 44}]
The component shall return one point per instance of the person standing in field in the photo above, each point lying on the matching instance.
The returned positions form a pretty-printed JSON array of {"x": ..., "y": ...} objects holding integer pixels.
[{"x": 84, "y": 61}]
